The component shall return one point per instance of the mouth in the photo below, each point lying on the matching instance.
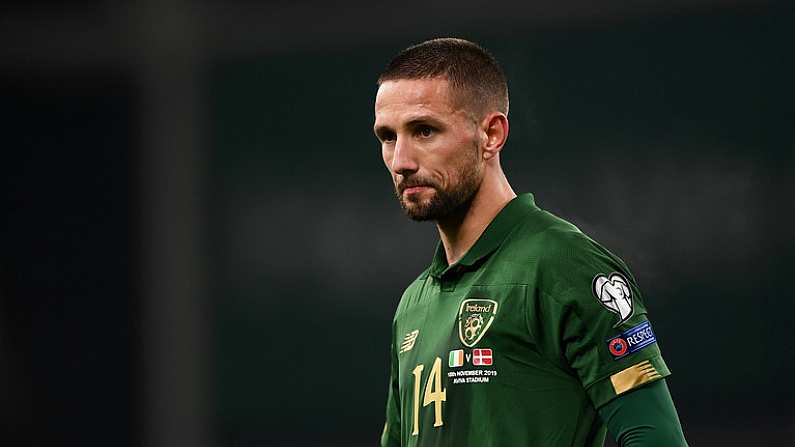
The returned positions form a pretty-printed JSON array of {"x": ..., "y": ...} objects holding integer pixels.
[{"x": 415, "y": 189}]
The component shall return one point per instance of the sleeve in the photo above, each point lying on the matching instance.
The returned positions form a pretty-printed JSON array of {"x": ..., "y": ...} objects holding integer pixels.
[
  {"x": 593, "y": 318},
  {"x": 645, "y": 417},
  {"x": 390, "y": 437}
]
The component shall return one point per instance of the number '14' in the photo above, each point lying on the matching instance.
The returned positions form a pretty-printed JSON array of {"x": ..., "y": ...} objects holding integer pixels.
[{"x": 434, "y": 393}]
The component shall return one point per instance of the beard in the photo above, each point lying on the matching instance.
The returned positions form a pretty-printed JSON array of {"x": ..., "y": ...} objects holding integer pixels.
[{"x": 444, "y": 202}]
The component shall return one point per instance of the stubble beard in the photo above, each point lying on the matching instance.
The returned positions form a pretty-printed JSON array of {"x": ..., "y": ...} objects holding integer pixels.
[{"x": 444, "y": 202}]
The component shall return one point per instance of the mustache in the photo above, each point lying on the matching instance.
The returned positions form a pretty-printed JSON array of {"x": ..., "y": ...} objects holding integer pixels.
[{"x": 411, "y": 182}]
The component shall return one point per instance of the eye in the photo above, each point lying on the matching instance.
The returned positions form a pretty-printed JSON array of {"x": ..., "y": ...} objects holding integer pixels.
[
  {"x": 386, "y": 136},
  {"x": 425, "y": 131}
]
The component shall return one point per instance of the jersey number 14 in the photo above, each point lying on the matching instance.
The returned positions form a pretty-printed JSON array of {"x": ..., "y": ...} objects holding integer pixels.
[{"x": 434, "y": 394}]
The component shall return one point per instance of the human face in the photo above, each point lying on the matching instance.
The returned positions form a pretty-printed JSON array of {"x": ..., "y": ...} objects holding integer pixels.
[{"x": 429, "y": 145}]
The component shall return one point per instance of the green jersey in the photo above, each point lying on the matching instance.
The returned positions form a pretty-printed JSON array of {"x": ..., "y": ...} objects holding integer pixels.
[{"x": 519, "y": 342}]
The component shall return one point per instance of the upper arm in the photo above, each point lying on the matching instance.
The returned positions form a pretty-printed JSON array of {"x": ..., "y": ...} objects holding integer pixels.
[
  {"x": 593, "y": 318},
  {"x": 644, "y": 417}
]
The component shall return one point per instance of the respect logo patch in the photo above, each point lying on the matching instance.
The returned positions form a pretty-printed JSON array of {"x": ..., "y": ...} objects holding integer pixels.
[{"x": 632, "y": 340}]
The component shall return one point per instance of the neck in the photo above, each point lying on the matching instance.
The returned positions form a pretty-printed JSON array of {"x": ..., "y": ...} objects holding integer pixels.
[{"x": 461, "y": 230}]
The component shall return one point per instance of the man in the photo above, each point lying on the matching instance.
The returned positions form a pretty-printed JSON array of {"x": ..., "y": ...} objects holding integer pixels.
[{"x": 522, "y": 331}]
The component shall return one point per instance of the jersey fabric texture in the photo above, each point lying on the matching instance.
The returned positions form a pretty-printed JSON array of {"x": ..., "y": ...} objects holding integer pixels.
[{"x": 520, "y": 342}]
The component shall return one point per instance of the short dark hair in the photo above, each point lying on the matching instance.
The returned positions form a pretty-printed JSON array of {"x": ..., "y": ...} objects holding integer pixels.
[{"x": 467, "y": 67}]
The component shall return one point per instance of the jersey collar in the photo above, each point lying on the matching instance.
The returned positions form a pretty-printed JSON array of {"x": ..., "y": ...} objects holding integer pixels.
[{"x": 490, "y": 240}]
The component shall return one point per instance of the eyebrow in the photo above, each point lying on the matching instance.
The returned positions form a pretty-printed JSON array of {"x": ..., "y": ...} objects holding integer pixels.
[
  {"x": 417, "y": 119},
  {"x": 421, "y": 119}
]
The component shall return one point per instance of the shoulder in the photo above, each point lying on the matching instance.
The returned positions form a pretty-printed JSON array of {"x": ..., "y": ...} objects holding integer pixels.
[
  {"x": 549, "y": 238},
  {"x": 564, "y": 243},
  {"x": 564, "y": 258},
  {"x": 412, "y": 293},
  {"x": 416, "y": 284}
]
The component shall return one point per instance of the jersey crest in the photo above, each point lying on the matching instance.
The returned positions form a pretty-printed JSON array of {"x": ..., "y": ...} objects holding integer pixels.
[
  {"x": 614, "y": 294},
  {"x": 474, "y": 318}
]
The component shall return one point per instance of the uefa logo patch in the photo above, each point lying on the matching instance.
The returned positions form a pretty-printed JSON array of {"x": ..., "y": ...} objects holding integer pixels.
[
  {"x": 618, "y": 347},
  {"x": 632, "y": 340}
]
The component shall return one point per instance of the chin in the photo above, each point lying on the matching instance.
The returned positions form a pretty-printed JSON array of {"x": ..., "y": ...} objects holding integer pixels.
[
  {"x": 419, "y": 216},
  {"x": 419, "y": 210},
  {"x": 425, "y": 211}
]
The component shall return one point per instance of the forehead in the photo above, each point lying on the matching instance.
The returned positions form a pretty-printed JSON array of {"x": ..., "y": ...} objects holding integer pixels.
[{"x": 403, "y": 97}]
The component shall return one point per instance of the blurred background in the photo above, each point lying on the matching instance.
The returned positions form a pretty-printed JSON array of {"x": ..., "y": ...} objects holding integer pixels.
[{"x": 199, "y": 244}]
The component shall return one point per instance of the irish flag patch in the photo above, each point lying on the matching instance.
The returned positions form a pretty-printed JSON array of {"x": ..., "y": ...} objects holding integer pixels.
[{"x": 456, "y": 358}]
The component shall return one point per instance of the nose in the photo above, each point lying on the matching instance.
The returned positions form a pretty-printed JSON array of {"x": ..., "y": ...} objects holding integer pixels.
[{"x": 404, "y": 158}]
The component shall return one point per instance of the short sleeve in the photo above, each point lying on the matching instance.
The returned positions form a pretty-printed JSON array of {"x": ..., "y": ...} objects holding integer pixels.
[{"x": 594, "y": 318}]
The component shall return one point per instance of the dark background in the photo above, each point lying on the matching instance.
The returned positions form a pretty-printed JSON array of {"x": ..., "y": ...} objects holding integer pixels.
[{"x": 199, "y": 243}]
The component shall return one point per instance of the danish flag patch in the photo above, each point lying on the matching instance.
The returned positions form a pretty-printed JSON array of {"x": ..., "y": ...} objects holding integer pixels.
[{"x": 481, "y": 357}]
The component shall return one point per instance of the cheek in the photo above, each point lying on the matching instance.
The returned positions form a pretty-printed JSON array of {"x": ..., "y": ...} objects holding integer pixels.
[
  {"x": 446, "y": 173},
  {"x": 386, "y": 155},
  {"x": 458, "y": 160}
]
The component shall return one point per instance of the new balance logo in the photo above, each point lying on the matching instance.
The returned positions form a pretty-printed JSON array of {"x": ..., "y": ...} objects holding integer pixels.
[{"x": 409, "y": 340}]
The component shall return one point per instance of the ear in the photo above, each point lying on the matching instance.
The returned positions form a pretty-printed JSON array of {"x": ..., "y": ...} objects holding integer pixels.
[{"x": 494, "y": 129}]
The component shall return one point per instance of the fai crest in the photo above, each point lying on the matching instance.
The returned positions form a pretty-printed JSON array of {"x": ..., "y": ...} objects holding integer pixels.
[
  {"x": 614, "y": 294},
  {"x": 474, "y": 319}
]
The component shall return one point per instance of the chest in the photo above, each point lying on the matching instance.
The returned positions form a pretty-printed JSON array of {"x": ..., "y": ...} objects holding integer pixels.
[{"x": 471, "y": 332}]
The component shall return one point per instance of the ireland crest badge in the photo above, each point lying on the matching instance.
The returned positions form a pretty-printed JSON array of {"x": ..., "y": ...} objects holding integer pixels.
[{"x": 474, "y": 318}]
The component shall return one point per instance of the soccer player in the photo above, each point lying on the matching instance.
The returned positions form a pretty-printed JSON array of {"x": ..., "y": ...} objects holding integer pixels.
[{"x": 523, "y": 331}]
